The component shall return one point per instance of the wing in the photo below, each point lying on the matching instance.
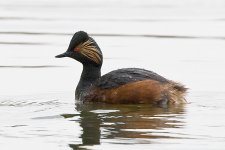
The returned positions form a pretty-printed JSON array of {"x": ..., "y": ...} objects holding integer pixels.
[{"x": 123, "y": 76}]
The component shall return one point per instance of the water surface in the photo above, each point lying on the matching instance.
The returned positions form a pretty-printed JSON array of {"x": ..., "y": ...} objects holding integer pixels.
[{"x": 182, "y": 40}]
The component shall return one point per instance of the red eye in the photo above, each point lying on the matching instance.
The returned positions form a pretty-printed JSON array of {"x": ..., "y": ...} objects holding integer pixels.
[{"x": 77, "y": 49}]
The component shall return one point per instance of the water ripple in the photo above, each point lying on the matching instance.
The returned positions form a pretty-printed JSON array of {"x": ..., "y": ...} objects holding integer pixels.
[
  {"x": 113, "y": 19},
  {"x": 24, "y": 103},
  {"x": 21, "y": 43},
  {"x": 28, "y": 67},
  {"x": 109, "y": 35}
]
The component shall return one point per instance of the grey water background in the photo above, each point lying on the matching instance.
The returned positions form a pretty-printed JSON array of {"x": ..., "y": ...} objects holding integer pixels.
[{"x": 183, "y": 40}]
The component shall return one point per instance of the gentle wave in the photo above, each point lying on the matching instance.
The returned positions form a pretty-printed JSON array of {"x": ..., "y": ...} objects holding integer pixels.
[
  {"x": 21, "y": 43},
  {"x": 113, "y": 19},
  {"x": 111, "y": 35},
  {"x": 41, "y": 66},
  {"x": 17, "y": 103}
]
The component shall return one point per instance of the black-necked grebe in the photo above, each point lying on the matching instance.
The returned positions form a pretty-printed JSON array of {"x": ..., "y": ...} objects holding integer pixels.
[{"x": 128, "y": 85}]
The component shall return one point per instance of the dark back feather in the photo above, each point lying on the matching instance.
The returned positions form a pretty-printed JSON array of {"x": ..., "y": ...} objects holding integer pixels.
[{"x": 127, "y": 75}]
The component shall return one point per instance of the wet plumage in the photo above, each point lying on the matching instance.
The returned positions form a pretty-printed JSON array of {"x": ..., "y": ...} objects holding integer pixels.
[
  {"x": 127, "y": 75},
  {"x": 127, "y": 85}
]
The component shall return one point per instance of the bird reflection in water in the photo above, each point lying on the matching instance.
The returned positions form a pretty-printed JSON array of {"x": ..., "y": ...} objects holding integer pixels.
[{"x": 116, "y": 123}]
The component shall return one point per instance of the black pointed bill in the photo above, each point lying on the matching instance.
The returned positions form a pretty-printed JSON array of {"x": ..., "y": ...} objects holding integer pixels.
[{"x": 62, "y": 55}]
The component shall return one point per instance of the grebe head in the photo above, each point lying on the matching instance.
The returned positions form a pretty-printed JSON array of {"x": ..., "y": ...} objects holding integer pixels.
[{"x": 84, "y": 49}]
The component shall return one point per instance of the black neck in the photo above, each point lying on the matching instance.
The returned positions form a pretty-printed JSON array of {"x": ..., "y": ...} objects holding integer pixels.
[{"x": 89, "y": 75}]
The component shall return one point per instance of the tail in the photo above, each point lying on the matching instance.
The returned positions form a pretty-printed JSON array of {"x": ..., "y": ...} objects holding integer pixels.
[{"x": 177, "y": 93}]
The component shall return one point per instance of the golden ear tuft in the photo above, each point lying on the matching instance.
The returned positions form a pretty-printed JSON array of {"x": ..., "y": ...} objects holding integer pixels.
[{"x": 90, "y": 51}]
